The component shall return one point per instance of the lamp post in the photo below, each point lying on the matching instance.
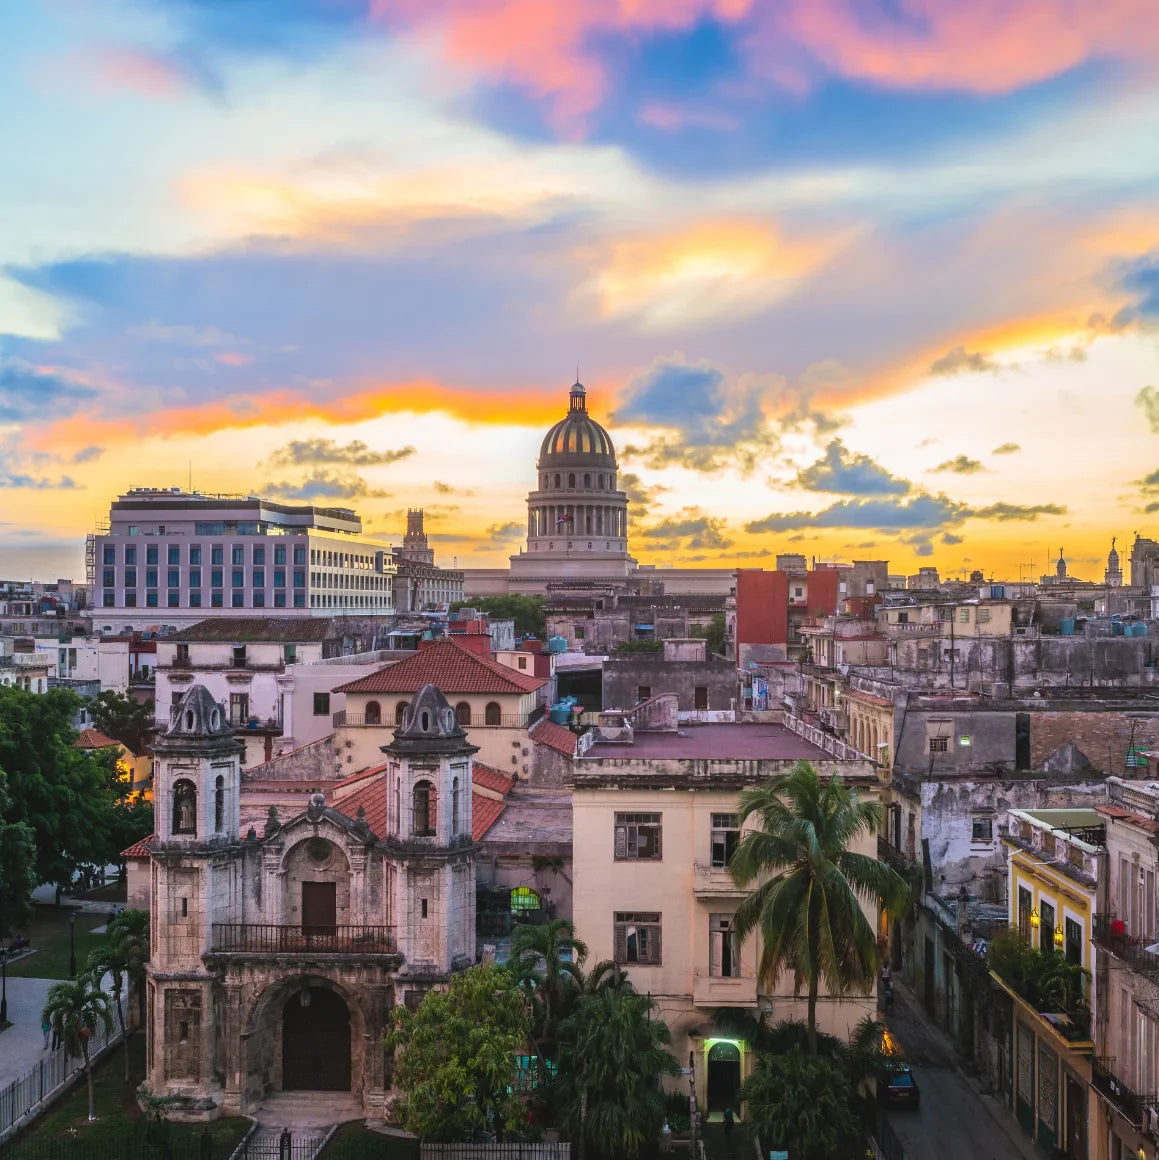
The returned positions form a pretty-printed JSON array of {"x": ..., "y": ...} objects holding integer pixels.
[
  {"x": 72, "y": 944},
  {"x": 3, "y": 987}
]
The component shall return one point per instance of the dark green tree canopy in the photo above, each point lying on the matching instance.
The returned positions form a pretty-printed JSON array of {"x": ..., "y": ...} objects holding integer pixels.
[
  {"x": 17, "y": 867},
  {"x": 526, "y": 611},
  {"x": 119, "y": 716}
]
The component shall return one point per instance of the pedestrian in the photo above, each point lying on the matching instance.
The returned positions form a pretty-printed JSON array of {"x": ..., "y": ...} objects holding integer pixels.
[
  {"x": 55, "y": 1035},
  {"x": 728, "y": 1118},
  {"x": 46, "y": 1027}
]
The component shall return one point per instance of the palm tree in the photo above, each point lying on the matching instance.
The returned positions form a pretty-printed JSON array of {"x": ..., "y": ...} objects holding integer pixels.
[
  {"x": 129, "y": 934},
  {"x": 605, "y": 975},
  {"x": 111, "y": 960},
  {"x": 807, "y": 906},
  {"x": 548, "y": 961},
  {"x": 75, "y": 1010}
]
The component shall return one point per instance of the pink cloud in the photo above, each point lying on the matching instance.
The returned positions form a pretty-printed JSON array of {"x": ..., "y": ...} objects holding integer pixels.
[
  {"x": 671, "y": 118},
  {"x": 233, "y": 358},
  {"x": 136, "y": 71}
]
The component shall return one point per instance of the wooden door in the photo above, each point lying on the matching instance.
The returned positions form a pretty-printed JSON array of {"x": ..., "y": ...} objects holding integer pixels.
[
  {"x": 319, "y": 908},
  {"x": 315, "y": 1042}
]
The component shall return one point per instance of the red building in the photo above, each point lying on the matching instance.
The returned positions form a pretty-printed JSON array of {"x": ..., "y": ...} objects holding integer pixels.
[{"x": 772, "y": 605}]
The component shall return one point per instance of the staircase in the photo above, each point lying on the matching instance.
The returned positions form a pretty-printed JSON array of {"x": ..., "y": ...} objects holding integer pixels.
[{"x": 308, "y": 1116}]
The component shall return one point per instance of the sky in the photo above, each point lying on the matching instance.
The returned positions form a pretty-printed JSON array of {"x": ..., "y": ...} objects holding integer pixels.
[{"x": 872, "y": 279}]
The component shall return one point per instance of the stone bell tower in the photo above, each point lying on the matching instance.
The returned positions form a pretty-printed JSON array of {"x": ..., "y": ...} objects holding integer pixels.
[
  {"x": 196, "y": 867},
  {"x": 430, "y": 840}
]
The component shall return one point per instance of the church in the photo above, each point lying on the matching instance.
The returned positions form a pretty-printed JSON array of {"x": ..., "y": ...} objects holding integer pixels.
[{"x": 277, "y": 957}]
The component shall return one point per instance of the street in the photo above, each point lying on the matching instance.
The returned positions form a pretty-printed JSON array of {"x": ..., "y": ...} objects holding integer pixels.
[{"x": 955, "y": 1121}]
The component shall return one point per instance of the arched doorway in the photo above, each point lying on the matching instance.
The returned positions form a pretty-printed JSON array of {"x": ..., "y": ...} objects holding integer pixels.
[
  {"x": 723, "y": 1077},
  {"x": 315, "y": 1042}
]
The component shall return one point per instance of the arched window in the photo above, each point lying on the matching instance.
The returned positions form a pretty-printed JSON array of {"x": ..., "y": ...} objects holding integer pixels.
[
  {"x": 557, "y": 479},
  {"x": 373, "y": 713},
  {"x": 184, "y": 807},
  {"x": 523, "y": 899},
  {"x": 455, "y": 806},
  {"x": 400, "y": 712},
  {"x": 219, "y": 804},
  {"x": 600, "y": 479},
  {"x": 421, "y": 818},
  {"x": 463, "y": 714},
  {"x": 492, "y": 715},
  {"x": 587, "y": 479},
  {"x": 571, "y": 479}
]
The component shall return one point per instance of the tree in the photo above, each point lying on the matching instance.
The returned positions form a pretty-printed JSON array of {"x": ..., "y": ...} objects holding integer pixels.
[
  {"x": 548, "y": 961},
  {"x": 807, "y": 905},
  {"x": 129, "y": 935},
  {"x": 714, "y": 632},
  {"x": 526, "y": 611},
  {"x": 64, "y": 795},
  {"x": 801, "y": 1102},
  {"x": 110, "y": 960},
  {"x": 612, "y": 1055},
  {"x": 119, "y": 716},
  {"x": 75, "y": 1010},
  {"x": 458, "y": 1057},
  {"x": 17, "y": 868}
]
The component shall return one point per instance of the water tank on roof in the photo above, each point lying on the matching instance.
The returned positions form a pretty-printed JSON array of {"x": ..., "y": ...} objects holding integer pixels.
[
  {"x": 1139, "y": 629},
  {"x": 1117, "y": 628},
  {"x": 1066, "y": 627},
  {"x": 557, "y": 644}
]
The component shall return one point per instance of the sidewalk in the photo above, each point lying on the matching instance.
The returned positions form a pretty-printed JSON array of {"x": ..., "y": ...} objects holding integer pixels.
[{"x": 22, "y": 1045}]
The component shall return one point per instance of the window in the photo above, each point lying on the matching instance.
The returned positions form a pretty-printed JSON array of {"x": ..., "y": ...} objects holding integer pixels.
[
  {"x": 150, "y": 599},
  {"x": 259, "y": 599},
  {"x": 215, "y": 575},
  {"x": 643, "y": 692},
  {"x": 195, "y": 556},
  {"x": 963, "y": 616},
  {"x": 238, "y": 577},
  {"x": 939, "y": 744},
  {"x": 174, "y": 599},
  {"x": 280, "y": 554},
  {"x": 110, "y": 600},
  {"x": 217, "y": 554},
  {"x": 237, "y": 556},
  {"x": 1045, "y": 926},
  {"x": 300, "y": 579},
  {"x": 130, "y": 599},
  {"x": 723, "y": 948},
  {"x": 151, "y": 554},
  {"x": 637, "y": 837},
  {"x": 725, "y": 837},
  {"x": 238, "y": 600},
  {"x": 259, "y": 555},
  {"x": 217, "y": 599},
  {"x": 110, "y": 577},
  {"x": 279, "y": 600},
  {"x": 299, "y": 557},
  {"x": 110, "y": 554},
  {"x": 982, "y": 829},
  {"x": 1025, "y": 905},
  {"x": 321, "y": 704},
  {"x": 259, "y": 580},
  {"x": 194, "y": 599},
  {"x": 279, "y": 577},
  {"x": 173, "y": 555},
  {"x": 182, "y": 657},
  {"x": 289, "y": 653},
  {"x": 463, "y": 714},
  {"x": 373, "y": 713},
  {"x": 422, "y": 817},
  {"x": 194, "y": 577},
  {"x": 700, "y": 697},
  {"x": 299, "y": 600},
  {"x": 1073, "y": 941},
  {"x": 525, "y": 900},
  {"x": 131, "y": 555},
  {"x": 579, "y": 632},
  {"x": 492, "y": 714},
  {"x": 965, "y": 740},
  {"x": 130, "y": 577},
  {"x": 184, "y": 807},
  {"x": 455, "y": 806},
  {"x": 400, "y": 712},
  {"x": 637, "y": 938},
  {"x": 150, "y": 577},
  {"x": 239, "y": 708},
  {"x": 219, "y": 804},
  {"x": 173, "y": 578}
]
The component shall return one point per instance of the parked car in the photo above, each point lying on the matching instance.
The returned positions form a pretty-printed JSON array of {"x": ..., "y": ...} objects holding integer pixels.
[{"x": 900, "y": 1089}]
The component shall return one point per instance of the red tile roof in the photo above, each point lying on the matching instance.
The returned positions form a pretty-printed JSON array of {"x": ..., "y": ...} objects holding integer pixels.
[
  {"x": 139, "y": 849},
  {"x": 93, "y": 739},
  {"x": 554, "y": 737},
  {"x": 451, "y": 668},
  {"x": 1124, "y": 815},
  {"x": 485, "y": 812},
  {"x": 487, "y": 777}
]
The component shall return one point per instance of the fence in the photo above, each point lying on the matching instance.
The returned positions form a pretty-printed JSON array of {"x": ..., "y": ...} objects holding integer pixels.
[
  {"x": 884, "y": 1142},
  {"x": 559, "y": 1151},
  {"x": 27, "y": 1096},
  {"x": 175, "y": 1142}
]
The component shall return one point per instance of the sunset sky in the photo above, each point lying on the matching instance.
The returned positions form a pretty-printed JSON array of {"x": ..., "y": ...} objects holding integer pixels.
[{"x": 858, "y": 278}]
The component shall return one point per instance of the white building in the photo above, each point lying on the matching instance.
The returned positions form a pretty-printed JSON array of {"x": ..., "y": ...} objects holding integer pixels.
[
  {"x": 89, "y": 658},
  {"x": 174, "y": 556}
]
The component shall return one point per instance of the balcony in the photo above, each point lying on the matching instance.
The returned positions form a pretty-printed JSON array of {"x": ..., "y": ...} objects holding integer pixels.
[
  {"x": 1131, "y": 1105},
  {"x": 234, "y": 938},
  {"x": 719, "y": 991},
  {"x": 714, "y": 882},
  {"x": 1141, "y": 954},
  {"x": 892, "y": 856}
]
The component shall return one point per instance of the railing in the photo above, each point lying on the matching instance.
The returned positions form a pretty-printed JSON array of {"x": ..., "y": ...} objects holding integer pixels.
[
  {"x": 1110, "y": 933},
  {"x": 824, "y": 741},
  {"x": 1106, "y": 1083},
  {"x": 724, "y": 990},
  {"x": 892, "y": 856},
  {"x": 713, "y": 880},
  {"x": 269, "y": 938},
  {"x": 344, "y": 719}
]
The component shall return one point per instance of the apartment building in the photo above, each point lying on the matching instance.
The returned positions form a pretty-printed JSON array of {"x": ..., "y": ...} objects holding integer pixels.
[{"x": 174, "y": 556}]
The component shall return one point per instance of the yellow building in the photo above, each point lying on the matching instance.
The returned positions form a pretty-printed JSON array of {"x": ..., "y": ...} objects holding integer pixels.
[
  {"x": 1054, "y": 859},
  {"x": 654, "y": 824},
  {"x": 135, "y": 772}
]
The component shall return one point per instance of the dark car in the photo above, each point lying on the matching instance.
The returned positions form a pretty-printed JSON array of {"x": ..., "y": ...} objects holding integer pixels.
[{"x": 900, "y": 1089}]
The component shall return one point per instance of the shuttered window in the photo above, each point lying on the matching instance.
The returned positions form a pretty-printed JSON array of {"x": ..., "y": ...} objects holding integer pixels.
[
  {"x": 725, "y": 838},
  {"x": 638, "y": 837},
  {"x": 637, "y": 937}
]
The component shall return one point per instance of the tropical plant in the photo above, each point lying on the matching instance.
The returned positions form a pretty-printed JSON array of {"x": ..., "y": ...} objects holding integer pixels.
[
  {"x": 457, "y": 1057},
  {"x": 808, "y": 885},
  {"x": 612, "y": 1056},
  {"x": 604, "y": 976},
  {"x": 548, "y": 962},
  {"x": 75, "y": 1011},
  {"x": 801, "y": 1102},
  {"x": 129, "y": 936},
  {"x": 1045, "y": 979},
  {"x": 110, "y": 960}
]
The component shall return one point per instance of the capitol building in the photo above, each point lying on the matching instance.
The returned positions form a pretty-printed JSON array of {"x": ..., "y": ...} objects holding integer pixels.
[{"x": 577, "y": 525}]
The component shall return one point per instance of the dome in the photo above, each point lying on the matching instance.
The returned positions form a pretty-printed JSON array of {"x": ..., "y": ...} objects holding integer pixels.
[{"x": 578, "y": 440}]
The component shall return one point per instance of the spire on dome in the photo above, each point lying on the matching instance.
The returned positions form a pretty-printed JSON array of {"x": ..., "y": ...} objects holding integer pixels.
[{"x": 578, "y": 396}]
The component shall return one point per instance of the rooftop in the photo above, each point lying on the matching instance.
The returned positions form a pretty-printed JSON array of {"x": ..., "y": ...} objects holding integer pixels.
[
  {"x": 451, "y": 668},
  {"x": 725, "y": 742},
  {"x": 94, "y": 739},
  {"x": 256, "y": 629}
]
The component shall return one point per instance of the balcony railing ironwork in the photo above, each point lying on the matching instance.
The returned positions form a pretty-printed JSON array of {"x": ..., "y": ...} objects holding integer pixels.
[
  {"x": 1132, "y": 1105},
  {"x": 276, "y": 939},
  {"x": 892, "y": 856},
  {"x": 1110, "y": 933}
]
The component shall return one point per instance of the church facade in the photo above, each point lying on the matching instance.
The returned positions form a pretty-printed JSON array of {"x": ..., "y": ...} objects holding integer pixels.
[{"x": 277, "y": 958}]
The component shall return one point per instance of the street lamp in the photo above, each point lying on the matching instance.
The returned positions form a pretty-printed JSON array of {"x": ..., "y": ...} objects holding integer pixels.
[
  {"x": 72, "y": 944},
  {"x": 3, "y": 987}
]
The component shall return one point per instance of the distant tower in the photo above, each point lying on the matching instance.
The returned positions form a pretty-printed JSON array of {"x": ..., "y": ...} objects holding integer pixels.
[
  {"x": 1113, "y": 576},
  {"x": 1060, "y": 567},
  {"x": 414, "y": 543},
  {"x": 429, "y": 778},
  {"x": 196, "y": 809}
]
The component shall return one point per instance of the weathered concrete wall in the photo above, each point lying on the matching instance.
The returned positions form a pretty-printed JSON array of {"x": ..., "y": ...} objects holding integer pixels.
[{"x": 624, "y": 676}]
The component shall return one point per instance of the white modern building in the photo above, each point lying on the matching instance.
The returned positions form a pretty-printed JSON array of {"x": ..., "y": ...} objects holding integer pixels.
[{"x": 170, "y": 556}]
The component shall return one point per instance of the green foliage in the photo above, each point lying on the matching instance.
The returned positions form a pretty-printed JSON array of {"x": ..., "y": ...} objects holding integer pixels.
[
  {"x": 76, "y": 1011},
  {"x": 124, "y": 956},
  {"x": 1045, "y": 979},
  {"x": 547, "y": 961},
  {"x": 626, "y": 647},
  {"x": 713, "y": 632},
  {"x": 65, "y": 795},
  {"x": 612, "y": 1055},
  {"x": 526, "y": 611},
  {"x": 457, "y": 1057},
  {"x": 802, "y": 1103},
  {"x": 17, "y": 867},
  {"x": 119, "y": 716},
  {"x": 808, "y": 884}
]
